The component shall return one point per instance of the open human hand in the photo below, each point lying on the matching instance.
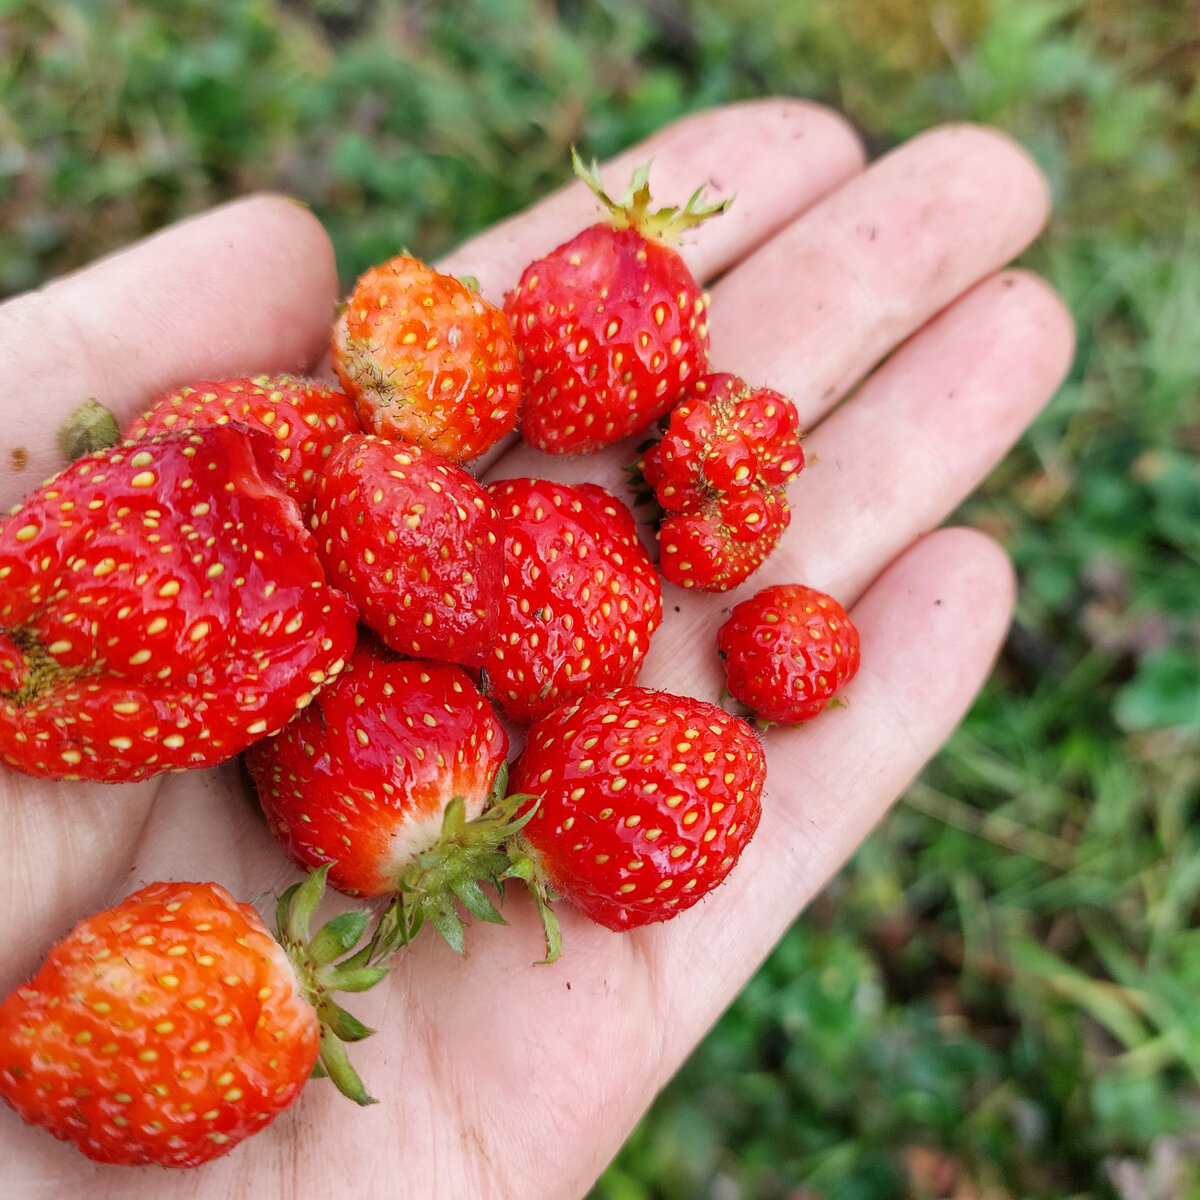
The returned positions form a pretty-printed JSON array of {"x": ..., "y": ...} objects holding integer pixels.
[{"x": 498, "y": 1077}]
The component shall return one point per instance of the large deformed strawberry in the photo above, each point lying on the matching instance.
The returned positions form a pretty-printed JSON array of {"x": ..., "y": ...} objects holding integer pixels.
[
  {"x": 162, "y": 606},
  {"x": 305, "y": 419},
  {"x": 417, "y": 543},
  {"x": 611, "y": 326}
]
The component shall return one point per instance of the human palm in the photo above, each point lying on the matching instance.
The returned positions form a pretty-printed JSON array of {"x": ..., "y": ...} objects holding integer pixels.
[{"x": 498, "y": 1077}]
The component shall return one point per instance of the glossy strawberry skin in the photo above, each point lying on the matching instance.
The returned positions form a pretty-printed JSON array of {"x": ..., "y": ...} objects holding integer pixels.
[
  {"x": 787, "y": 651},
  {"x": 647, "y": 801},
  {"x": 164, "y": 1030},
  {"x": 362, "y": 777},
  {"x": 161, "y": 607},
  {"x": 418, "y": 545},
  {"x": 580, "y": 598},
  {"x": 611, "y": 327},
  {"x": 305, "y": 418},
  {"x": 427, "y": 360}
]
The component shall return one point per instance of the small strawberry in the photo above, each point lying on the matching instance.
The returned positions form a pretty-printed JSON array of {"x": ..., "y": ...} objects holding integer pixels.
[
  {"x": 611, "y": 326},
  {"x": 161, "y": 606},
  {"x": 646, "y": 801},
  {"x": 580, "y": 599},
  {"x": 307, "y": 419},
  {"x": 720, "y": 544},
  {"x": 787, "y": 650},
  {"x": 427, "y": 360},
  {"x": 171, "y": 1027},
  {"x": 418, "y": 545}
]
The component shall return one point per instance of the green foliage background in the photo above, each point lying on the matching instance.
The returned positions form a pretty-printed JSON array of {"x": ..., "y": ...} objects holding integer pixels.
[{"x": 997, "y": 998}]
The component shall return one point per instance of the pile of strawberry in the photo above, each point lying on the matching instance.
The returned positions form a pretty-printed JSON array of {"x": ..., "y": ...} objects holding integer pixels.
[{"x": 313, "y": 577}]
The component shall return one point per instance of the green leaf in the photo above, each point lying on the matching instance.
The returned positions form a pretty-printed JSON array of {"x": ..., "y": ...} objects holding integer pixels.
[{"x": 338, "y": 935}]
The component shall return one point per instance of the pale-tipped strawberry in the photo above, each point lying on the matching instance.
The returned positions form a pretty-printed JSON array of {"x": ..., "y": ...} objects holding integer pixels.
[
  {"x": 305, "y": 418},
  {"x": 611, "y": 326},
  {"x": 418, "y": 545},
  {"x": 427, "y": 360},
  {"x": 580, "y": 600},
  {"x": 169, "y": 1028},
  {"x": 787, "y": 651},
  {"x": 161, "y": 606},
  {"x": 646, "y": 800},
  {"x": 386, "y": 778}
]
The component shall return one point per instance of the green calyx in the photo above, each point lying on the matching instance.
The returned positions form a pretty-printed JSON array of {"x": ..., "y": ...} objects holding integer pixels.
[
  {"x": 89, "y": 428},
  {"x": 452, "y": 873},
  {"x": 633, "y": 210},
  {"x": 324, "y": 964}
]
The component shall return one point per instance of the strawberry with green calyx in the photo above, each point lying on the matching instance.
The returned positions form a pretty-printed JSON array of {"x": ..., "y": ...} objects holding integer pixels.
[
  {"x": 580, "y": 599},
  {"x": 162, "y": 606},
  {"x": 395, "y": 780},
  {"x": 787, "y": 651},
  {"x": 427, "y": 360},
  {"x": 172, "y": 1026},
  {"x": 645, "y": 802},
  {"x": 611, "y": 326},
  {"x": 417, "y": 543},
  {"x": 305, "y": 418}
]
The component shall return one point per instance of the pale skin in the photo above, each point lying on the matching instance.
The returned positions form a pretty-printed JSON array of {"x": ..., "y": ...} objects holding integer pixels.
[{"x": 498, "y": 1077}]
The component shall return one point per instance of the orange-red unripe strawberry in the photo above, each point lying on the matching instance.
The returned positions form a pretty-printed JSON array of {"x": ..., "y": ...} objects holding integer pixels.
[
  {"x": 427, "y": 360},
  {"x": 164, "y": 1030},
  {"x": 161, "y": 606},
  {"x": 646, "y": 802},
  {"x": 305, "y": 418},
  {"x": 611, "y": 326},
  {"x": 787, "y": 651}
]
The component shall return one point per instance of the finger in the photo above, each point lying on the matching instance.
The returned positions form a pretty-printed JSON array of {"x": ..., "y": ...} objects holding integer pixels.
[
  {"x": 814, "y": 309},
  {"x": 931, "y": 626},
  {"x": 776, "y": 158},
  {"x": 246, "y": 288}
]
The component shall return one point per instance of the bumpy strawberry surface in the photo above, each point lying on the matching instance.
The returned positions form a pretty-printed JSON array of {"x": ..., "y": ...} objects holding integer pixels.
[
  {"x": 580, "y": 598},
  {"x": 427, "y": 360},
  {"x": 417, "y": 543},
  {"x": 161, "y": 606},
  {"x": 647, "y": 801},
  {"x": 787, "y": 651},
  {"x": 164, "y": 1030},
  {"x": 361, "y": 779},
  {"x": 611, "y": 326},
  {"x": 305, "y": 418}
]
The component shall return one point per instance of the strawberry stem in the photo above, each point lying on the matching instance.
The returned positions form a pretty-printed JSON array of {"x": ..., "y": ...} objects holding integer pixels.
[{"x": 90, "y": 427}]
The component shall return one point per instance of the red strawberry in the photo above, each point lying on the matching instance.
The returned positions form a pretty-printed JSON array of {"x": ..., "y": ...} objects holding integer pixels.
[
  {"x": 417, "y": 544},
  {"x": 722, "y": 543},
  {"x": 169, "y": 1028},
  {"x": 161, "y": 606},
  {"x": 787, "y": 650},
  {"x": 427, "y": 360},
  {"x": 361, "y": 779},
  {"x": 611, "y": 326},
  {"x": 306, "y": 418},
  {"x": 580, "y": 601},
  {"x": 647, "y": 800}
]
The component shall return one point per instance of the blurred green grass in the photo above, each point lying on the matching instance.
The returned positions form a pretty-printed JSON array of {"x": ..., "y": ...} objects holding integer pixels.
[{"x": 996, "y": 998}]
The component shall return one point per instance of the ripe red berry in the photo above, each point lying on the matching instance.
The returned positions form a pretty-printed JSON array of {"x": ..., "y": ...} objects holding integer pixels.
[
  {"x": 171, "y": 1027},
  {"x": 305, "y": 418},
  {"x": 418, "y": 545},
  {"x": 787, "y": 651},
  {"x": 611, "y": 326},
  {"x": 580, "y": 599},
  {"x": 161, "y": 606},
  {"x": 646, "y": 801},
  {"x": 427, "y": 360}
]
